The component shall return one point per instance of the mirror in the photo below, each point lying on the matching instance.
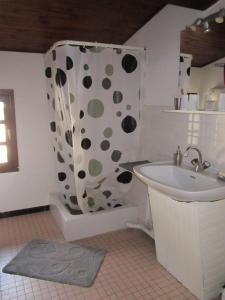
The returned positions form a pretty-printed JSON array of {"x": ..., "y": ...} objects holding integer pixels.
[{"x": 202, "y": 63}]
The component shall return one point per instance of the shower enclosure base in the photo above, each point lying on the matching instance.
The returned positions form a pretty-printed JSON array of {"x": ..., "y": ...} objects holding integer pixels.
[{"x": 76, "y": 227}]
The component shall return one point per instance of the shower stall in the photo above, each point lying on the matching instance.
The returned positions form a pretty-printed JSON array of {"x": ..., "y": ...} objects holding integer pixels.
[{"x": 94, "y": 94}]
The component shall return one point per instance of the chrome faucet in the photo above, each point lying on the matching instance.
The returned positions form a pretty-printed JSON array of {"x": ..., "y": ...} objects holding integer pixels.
[{"x": 197, "y": 162}]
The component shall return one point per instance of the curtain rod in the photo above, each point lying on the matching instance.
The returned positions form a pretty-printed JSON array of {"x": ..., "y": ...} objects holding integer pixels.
[
  {"x": 95, "y": 44},
  {"x": 186, "y": 55}
]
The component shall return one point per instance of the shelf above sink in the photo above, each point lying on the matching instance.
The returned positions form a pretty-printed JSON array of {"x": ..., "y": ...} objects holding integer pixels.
[{"x": 199, "y": 112}]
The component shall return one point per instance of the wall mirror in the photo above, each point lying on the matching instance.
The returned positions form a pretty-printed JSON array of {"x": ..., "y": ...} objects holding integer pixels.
[{"x": 202, "y": 61}]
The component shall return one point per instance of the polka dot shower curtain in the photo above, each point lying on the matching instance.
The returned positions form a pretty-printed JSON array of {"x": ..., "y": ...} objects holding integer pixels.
[
  {"x": 184, "y": 73},
  {"x": 94, "y": 95}
]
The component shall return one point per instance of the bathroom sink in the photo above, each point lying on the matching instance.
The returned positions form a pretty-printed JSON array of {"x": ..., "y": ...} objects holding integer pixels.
[{"x": 180, "y": 183}]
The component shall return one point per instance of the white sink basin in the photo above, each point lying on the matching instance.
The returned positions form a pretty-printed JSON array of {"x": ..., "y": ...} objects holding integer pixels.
[{"x": 180, "y": 183}]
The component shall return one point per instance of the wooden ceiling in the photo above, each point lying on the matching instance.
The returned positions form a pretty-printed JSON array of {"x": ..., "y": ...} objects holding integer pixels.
[
  {"x": 34, "y": 25},
  {"x": 205, "y": 47}
]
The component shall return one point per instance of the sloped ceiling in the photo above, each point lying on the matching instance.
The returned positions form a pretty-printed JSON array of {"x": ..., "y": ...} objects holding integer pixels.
[{"x": 34, "y": 25}]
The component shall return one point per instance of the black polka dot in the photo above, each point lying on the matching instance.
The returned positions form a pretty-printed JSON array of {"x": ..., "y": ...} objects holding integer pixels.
[
  {"x": 107, "y": 194},
  {"x": 84, "y": 194},
  {"x": 61, "y": 176},
  {"x": 117, "y": 205},
  {"x": 67, "y": 187},
  {"x": 188, "y": 71},
  {"x": 86, "y": 143},
  {"x": 82, "y": 49},
  {"x": 48, "y": 72},
  {"x": 64, "y": 196},
  {"x": 53, "y": 104},
  {"x": 119, "y": 114},
  {"x": 81, "y": 114},
  {"x": 60, "y": 77},
  {"x": 86, "y": 67},
  {"x": 82, "y": 130},
  {"x": 60, "y": 158},
  {"x": 181, "y": 59},
  {"x": 69, "y": 63},
  {"x": 129, "y": 124},
  {"x": 81, "y": 174},
  {"x": 129, "y": 63},
  {"x": 100, "y": 208},
  {"x": 116, "y": 155},
  {"x": 71, "y": 167},
  {"x": 117, "y": 97},
  {"x": 117, "y": 170},
  {"x": 73, "y": 199},
  {"x": 106, "y": 83},
  {"x": 48, "y": 97},
  {"x": 109, "y": 204},
  {"x": 125, "y": 177},
  {"x": 105, "y": 145},
  {"x": 53, "y": 126},
  {"x": 87, "y": 82},
  {"x": 53, "y": 55},
  {"x": 118, "y": 51},
  {"x": 69, "y": 138}
]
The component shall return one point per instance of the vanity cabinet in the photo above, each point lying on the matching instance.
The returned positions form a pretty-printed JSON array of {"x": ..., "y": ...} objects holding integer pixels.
[{"x": 190, "y": 242}]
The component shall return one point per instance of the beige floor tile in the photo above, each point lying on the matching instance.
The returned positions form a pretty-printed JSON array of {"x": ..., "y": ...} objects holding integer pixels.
[{"x": 130, "y": 270}]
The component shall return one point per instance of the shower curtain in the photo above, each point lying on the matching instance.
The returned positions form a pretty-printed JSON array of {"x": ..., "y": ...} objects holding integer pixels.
[
  {"x": 184, "y": 74},
  {"x": 94, "y": 95}
]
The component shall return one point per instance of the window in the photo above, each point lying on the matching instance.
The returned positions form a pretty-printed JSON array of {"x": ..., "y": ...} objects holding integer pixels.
[{"x": 8, "y": 143}]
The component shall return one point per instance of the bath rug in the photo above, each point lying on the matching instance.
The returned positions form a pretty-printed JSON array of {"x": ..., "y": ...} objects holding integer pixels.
[{"x": 55, "y": 261}]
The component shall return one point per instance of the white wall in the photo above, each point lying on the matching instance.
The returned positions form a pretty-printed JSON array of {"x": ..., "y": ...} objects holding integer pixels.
[
  {"x": 195, "y": 80},
  {"x": 29, "y": 187},
  {"x": 162, "y": 132},
  {"x": 207, "y": 77}
]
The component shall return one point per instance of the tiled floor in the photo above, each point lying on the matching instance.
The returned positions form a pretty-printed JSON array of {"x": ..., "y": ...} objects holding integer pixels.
[{"x": 130, "y": 270}]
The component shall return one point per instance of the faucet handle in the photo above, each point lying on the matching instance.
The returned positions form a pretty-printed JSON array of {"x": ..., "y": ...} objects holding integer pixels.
[
  {"x": 206, "y": 164},
  {"x": 195, "y": 161}
]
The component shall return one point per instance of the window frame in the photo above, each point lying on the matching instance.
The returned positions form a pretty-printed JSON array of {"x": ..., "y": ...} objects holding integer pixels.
[{"x": 7, "y": 96}]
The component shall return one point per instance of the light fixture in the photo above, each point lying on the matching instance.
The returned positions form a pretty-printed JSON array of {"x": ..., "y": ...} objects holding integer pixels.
[
  {"x": 220, "y": 16},
  {"x": 204, "y": 23},
  {"x": 206, "y": 26},
  {"x": 196, "y": 23}
]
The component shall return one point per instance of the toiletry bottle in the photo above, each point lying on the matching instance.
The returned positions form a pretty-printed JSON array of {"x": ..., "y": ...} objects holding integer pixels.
[{"x": 177, "y": 157}]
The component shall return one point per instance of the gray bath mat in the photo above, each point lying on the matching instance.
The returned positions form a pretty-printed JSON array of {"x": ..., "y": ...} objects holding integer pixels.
[{"x": 55, "y": 261}]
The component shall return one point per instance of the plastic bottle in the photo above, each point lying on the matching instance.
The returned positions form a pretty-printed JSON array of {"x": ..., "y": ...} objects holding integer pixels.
[{"x": 178, "y": 157}]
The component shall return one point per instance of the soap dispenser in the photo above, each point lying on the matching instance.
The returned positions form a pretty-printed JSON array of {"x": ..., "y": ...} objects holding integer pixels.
[{"x": 177, "y": 157}]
